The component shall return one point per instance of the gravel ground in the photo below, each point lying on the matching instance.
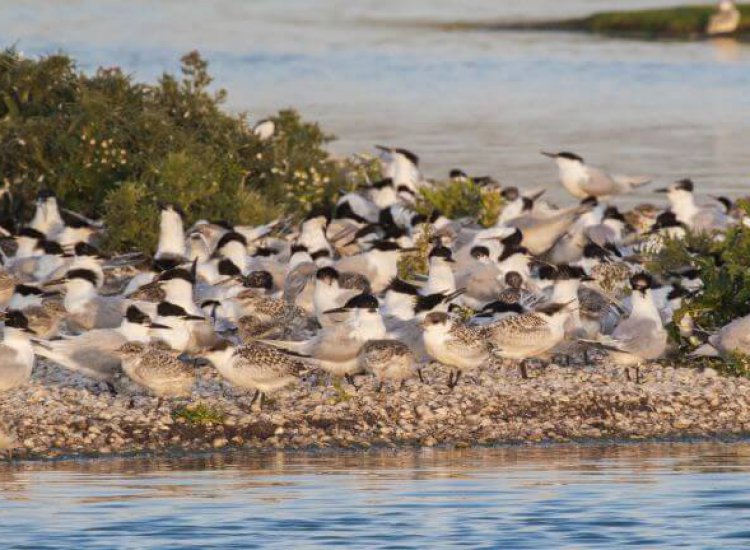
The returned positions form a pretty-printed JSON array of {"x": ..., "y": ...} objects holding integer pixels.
[{"x": 60, "y": 414}]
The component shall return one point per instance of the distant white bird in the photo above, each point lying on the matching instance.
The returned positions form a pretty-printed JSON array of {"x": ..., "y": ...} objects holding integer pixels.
[
  {"x": 530, "y": 335},
  {"x": 387, "y": 360},
  {"x": 698, "y": 218},
  {"x": 93, "y": 353},
  {"x": 335, "y": 348},
  {"x": 458, "y": 347},
  {"x": 16, "y": 351},
  {"x": 157, "y": 368},
  {"x": 640, "y": 337},
  {"x": 733, "y": 337},
  {"x": 582, "y": 180},
  {"x": 255, "y": 366},
  {"x": 264, "y": 129},
  {"x": 401, "y": 166},
  {"x": 725, "y": 20}
]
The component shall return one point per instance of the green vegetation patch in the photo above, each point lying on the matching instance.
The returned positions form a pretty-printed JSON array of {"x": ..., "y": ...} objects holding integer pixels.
[
  {"x": 112, "y": 148},
  {"x": 200, "y": 413},
  {"x": 677, "y": 22}
]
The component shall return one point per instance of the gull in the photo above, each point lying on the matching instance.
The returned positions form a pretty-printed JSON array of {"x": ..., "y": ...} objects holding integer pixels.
[
  {"x": 76, "y": 229},
  {"x": 93, "y": 353},
  {"x": 86, "y": 308},
  {"x": 480, "y": 279},
  {"x": 597, "y": 312},
  {"x": 177, "y": 328},
  {"x": 335, "y": 348},
  {"x": 313, "y": 237},
  {"x": 582, "y": 180},
  {"x": 543, "y": 229},
  {"x": 567, "y": 282},
  {"x": 725, "y": 20},
  {"x": 45, "y": 319},
  {"x": 731, "y": 338},
  {"x": 379, "y": 264},
  {"x": 440, "y": 277},
  {"x": 640, "y": 337},
  {"x": 403, "y": 301},
  {"x": 16, "y": 351},
  {"x": 400, "y": 165},
  {"x": 697, "y": 218},
  {"x": 329, "y": 295},
  {"x": 530, "y": 335},
  {"x": 157, "y": 368},
  {"x": 255, "y": 366},
  {"x": 171, "y": 249},
  {"x": 387, "y": 360},
  {"x": 229, "y": 259},
  {"x": 264, "y": 129},
  {"x": 47, "y": 219},
  {"x": 356, "y": 208},
  {"x": 27, "y": 295},
  {"x": 496, "y": 311},
  {"x": 457, "y": 346},
  {"x": 171, "y": 243},
  {"x": 515, "y": 292}
]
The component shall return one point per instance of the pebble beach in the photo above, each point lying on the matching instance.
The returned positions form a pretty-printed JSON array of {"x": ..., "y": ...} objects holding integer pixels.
[{"x": 61, "y": 415}]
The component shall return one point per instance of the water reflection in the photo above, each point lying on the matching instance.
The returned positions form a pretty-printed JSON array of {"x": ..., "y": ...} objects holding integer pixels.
[
  {"x": 727, "y": 49},
  {"x": 526, "y": 497}
]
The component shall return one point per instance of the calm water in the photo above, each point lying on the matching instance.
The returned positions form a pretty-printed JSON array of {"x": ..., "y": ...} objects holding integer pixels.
[
  {"x": 485, "y": 101},
  {"x": 650, "y": 495}
]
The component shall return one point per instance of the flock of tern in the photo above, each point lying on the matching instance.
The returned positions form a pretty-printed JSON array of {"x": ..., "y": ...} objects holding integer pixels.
[{"x": 266, "y": 304}]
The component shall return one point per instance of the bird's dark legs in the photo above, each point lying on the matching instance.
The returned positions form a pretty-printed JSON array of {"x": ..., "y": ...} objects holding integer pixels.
[
  {"x": 637, "y": 370},
  {"x": 380, "y": 386},
  {"x": 453, "y": 381},
  {"x": 524, "y": 370},
  {"x": 255, "y": 397},
  {"x": 421, "y": 378},
  {"x": 350, "y": 379}
]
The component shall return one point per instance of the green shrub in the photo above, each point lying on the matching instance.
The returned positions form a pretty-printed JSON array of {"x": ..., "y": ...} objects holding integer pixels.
[
  {"x": 462, "y": 199},
  {"x": 111, "y": 147},
  {"x": 724, "y": 267},
  {"x": 200, "y": 414}
]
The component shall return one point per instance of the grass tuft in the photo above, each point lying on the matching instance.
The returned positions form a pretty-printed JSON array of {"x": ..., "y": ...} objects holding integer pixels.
[{"x": 200, "y": 413}]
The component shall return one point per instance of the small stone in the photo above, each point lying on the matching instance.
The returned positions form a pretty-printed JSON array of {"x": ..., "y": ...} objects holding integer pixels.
[{"x": 219, "y": 442}]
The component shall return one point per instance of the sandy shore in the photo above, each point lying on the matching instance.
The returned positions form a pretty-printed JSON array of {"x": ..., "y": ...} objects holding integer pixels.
[{"x": 59, "y": 414}]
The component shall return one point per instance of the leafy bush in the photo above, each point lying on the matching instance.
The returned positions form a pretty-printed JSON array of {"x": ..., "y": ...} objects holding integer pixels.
[
  {"x": 724, "y": 267},
  {"x": 462, "y": 199},
  {"x": 671, "y": 22},
  {"x": 111, "y": 147}
]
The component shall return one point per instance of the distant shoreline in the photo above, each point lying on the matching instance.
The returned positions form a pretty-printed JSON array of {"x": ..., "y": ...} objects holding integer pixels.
[
  {"x": 59, "y": 416},
  {"x": 677, "y": 23}
]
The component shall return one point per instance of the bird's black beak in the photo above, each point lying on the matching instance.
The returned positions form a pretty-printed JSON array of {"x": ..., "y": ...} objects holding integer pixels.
[
  {"x": 336, "y": 310},
  {"x": 193, "y": 318},
  {"x": 662, "y": 190},
  {"x": 550, "y": 155},
  {"x": 158, "y": 325}
]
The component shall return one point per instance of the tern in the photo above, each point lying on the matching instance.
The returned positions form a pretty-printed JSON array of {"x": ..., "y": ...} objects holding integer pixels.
[{"x": 582, "y": 180}]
